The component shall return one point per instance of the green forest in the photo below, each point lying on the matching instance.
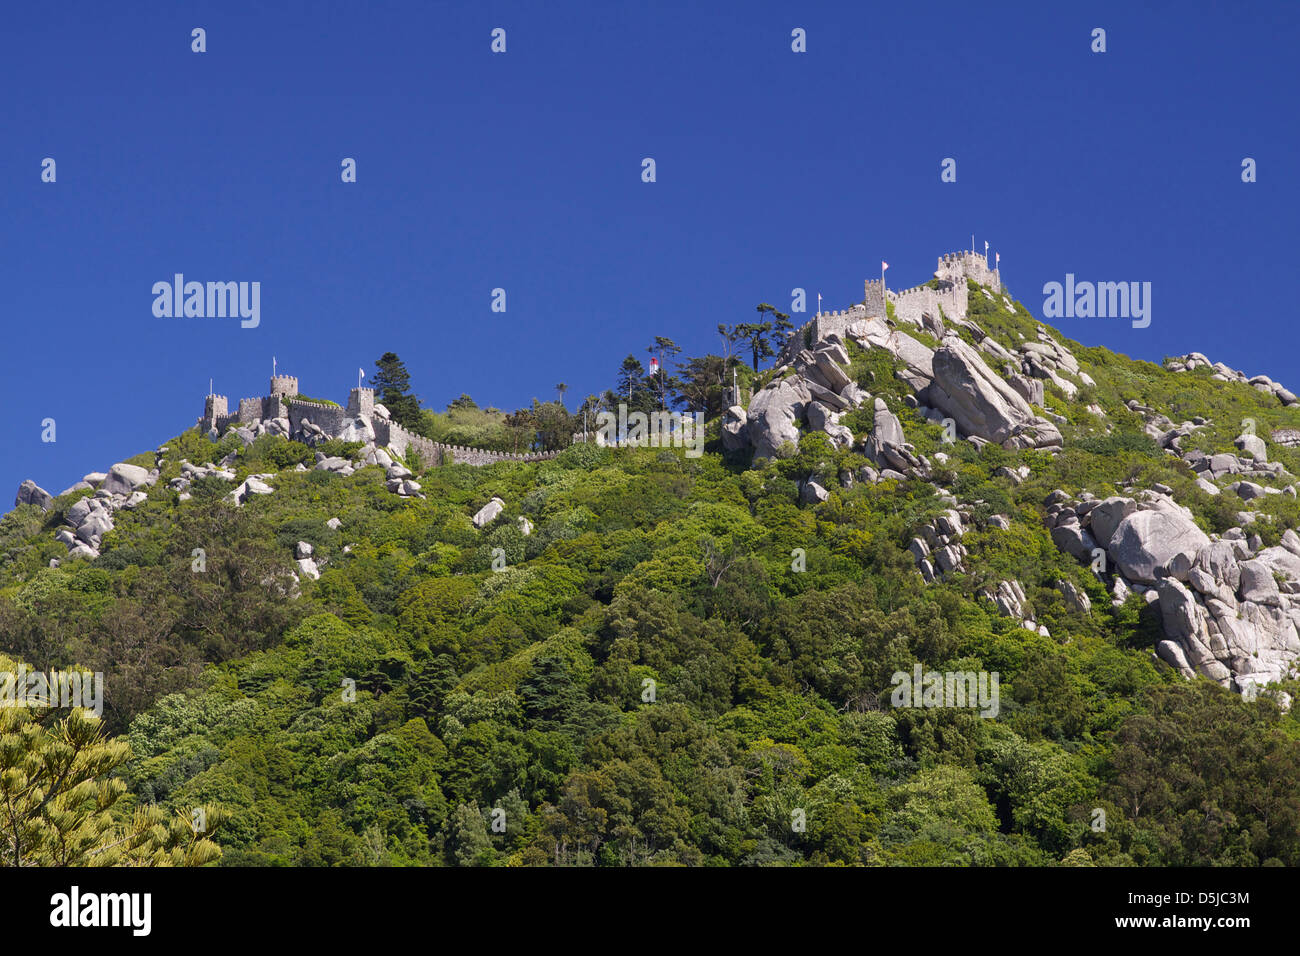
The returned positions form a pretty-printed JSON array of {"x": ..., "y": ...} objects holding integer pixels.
[{"x": 680, "y": 664}]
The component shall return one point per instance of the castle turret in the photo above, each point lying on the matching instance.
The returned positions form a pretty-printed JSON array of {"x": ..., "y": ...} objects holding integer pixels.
[
  {"x": 361, "y": 402},
  {"x": 286, "y": 386},
  {"x": 874, "y": 298},
  {"x": 958, "y": 266},
  {"x": 214, "y": 407}
]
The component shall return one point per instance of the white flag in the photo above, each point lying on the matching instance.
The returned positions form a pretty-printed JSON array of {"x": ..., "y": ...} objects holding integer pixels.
[
  {"x": 997, "y": 257},
  {"x": 986, "y": 247},
  {"x": 362, "y": 372},
  {"x": 883, "y": 265}
]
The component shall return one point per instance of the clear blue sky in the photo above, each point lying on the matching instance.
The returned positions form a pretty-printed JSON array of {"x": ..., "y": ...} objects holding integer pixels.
[{"x": 522, "y": 171}]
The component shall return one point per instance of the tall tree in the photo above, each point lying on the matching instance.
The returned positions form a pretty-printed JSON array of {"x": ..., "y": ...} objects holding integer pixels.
[
  {"x": 631, "y": 378},
  {"x": 781, "y": 329},
  {"x": 663, "y": 348},
  {"x": 778, "y": 328},
  {"x": 702, "y": 385},
  {"x": 755, "y": 334},
  {"x": 392, "y": 384},
  {"x": 560, "y": 389}
]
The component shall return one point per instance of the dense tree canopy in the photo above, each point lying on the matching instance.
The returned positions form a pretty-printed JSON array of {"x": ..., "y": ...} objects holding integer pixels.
[{"x": 671, "y": 661}]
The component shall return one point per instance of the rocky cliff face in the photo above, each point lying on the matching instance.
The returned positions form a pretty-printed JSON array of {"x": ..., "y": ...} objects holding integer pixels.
[
  {"x": 1229, "y": 606},
  {"x": 950, "y": 382}
]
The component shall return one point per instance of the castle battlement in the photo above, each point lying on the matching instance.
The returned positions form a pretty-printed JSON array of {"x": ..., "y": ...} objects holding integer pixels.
[
  {"x": 361, "y": 401},
  {"x": 284, "y": 385},
  {"x": 968, "y": 265},
  {"x": 333, "y": 420},
  {"x": 910, "y": 305}
]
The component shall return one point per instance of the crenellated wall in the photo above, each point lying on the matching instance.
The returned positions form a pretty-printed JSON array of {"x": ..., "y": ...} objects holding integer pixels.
[
  {"x": 909, "y": 305},
  {"x": 968, "y": 265},
  {"x": 331, "y": 420},
  {"x": 398, "y": 439},
  {"x": 328, "y": 418}
]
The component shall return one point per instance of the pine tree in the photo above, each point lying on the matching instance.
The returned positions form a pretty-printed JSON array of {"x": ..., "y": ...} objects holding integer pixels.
[
  {"x": 392, "y": 384},
  {"x": 57, "y": 799}
]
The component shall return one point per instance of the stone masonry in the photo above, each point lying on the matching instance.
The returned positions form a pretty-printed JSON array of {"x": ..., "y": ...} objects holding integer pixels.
[
  {"x": 910, "y": 305},
  {"x": 304, "y": 417}
]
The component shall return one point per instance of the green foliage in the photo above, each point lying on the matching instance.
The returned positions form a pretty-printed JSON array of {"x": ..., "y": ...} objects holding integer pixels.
[
  {"x": 60, "y": 806},
  {"x": 307, "y": 398},
  {"x": 273, "y": 453},
  {"x": 677, "y": 657},
  {"x": 464, "y": 423},
  {"x": 392, "y": 385}
]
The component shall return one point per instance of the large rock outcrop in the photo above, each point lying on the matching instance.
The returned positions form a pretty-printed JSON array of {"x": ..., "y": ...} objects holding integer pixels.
[
  {"x": 123, "y": 479},
  {"x": 774, "y": 415},
  {"x": 814, "y": 389},
  {"x": 982, "y": 403},
  {"x": 1147, "y": 543},
  {"x": 30, "y": 493},
  {"x": 1224, "y": 614}
]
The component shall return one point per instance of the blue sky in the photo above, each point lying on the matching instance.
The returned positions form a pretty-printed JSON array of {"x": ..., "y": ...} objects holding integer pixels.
[{"x": 522, "y": 171}]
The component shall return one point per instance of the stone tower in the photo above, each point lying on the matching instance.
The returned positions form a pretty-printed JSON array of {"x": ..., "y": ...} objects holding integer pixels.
[
  {"x": 361, "y": 401},
  {"x": 285, "y": 386},
  {"x": 214, "y": 406}
]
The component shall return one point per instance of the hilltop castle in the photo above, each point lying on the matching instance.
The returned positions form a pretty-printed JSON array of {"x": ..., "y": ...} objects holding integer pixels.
[
  {"x": 284, "y": 413},
  {"x": 910, "y": 306}
]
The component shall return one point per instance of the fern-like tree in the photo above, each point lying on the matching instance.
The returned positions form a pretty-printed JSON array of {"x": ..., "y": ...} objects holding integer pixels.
[{"x": 58, "y": 799}]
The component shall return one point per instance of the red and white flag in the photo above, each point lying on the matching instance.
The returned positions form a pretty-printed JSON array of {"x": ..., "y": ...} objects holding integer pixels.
[
  {"x": 997, "y": 257},
  {"x": 654, "y": 366},
  {"x": 883, "y": 265}
]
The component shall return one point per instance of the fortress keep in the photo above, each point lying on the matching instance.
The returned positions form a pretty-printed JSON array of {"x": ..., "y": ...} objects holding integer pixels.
[{"x": 944, "y": 298}]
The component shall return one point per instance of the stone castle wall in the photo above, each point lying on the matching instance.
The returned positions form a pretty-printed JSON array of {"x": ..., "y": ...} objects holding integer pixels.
[
  {"x": 969, "y": 265},
  {"x": 910, "y": 305},
  {"x": 331, "y": 419},
  {"x": 398, "y": 439},
  {"x": 328, "y": 418}
]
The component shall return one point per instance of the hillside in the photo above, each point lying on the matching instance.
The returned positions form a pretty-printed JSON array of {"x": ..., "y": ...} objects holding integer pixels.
[{"x": 639, "y": 656}]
